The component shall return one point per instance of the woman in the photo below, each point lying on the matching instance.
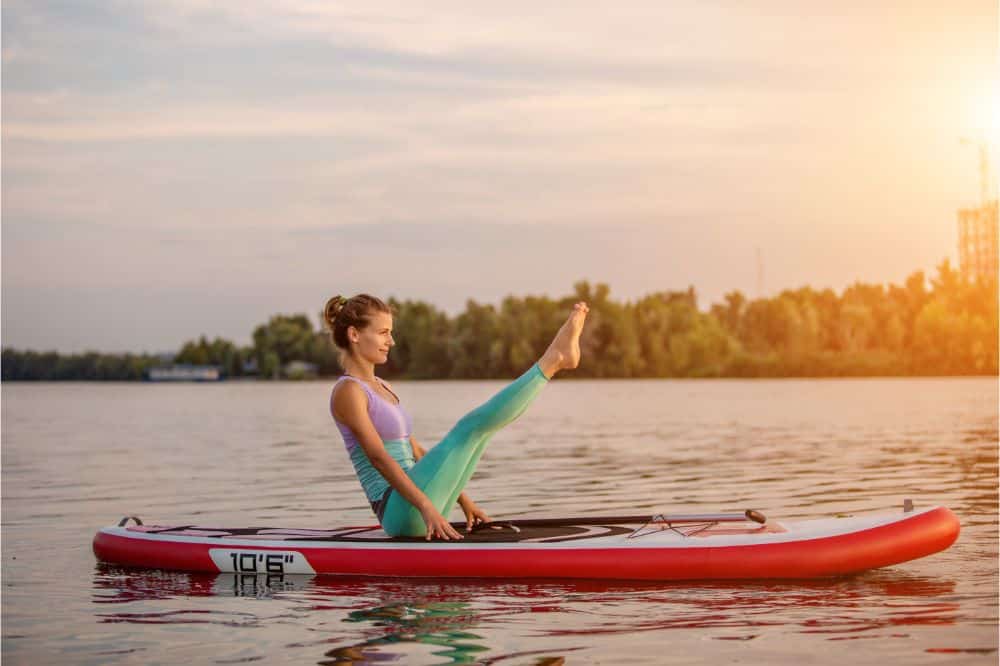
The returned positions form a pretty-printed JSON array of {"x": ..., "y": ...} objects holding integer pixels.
[{"x": 410, "y": 488}]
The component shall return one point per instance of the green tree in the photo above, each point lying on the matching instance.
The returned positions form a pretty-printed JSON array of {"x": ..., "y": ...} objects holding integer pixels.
[
  {"x": 422, "y": 335},
  {"x": 284, "y": 338},
  {"x": 473, "y": 335}
]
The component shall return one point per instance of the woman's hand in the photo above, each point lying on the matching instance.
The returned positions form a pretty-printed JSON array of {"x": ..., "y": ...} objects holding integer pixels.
[
  {"x": 438, "y": 525},
  {"x": 473, "y": 514}
]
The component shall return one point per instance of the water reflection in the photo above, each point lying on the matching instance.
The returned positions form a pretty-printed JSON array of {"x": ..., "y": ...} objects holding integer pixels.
[
  {"x": 429, "y": 623},
  {"x": 454, "y": 621}
]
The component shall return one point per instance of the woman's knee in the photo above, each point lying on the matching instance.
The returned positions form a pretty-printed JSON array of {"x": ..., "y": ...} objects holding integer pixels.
[
  {"x": 402, "y": 519},
  {"x": 470, "y": 429},
  {"x": 408, "y": 525}
]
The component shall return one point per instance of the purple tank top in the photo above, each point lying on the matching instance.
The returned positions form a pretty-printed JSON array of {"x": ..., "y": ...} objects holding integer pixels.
[{"x": 392, "y": 422}]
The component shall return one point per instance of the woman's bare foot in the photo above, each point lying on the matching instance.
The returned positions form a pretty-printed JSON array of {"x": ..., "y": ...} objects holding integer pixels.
[{"x": 564, "y": 350}]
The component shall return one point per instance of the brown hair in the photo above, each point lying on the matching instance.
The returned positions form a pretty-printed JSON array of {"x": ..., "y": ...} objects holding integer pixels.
[{"x": 340, "y": 313}]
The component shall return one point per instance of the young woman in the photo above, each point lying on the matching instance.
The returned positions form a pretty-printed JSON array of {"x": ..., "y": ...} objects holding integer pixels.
[{"x": 411, "y": 488}]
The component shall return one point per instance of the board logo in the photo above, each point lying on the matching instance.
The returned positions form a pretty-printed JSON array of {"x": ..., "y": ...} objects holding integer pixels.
[{"x": 244, "y": 560}]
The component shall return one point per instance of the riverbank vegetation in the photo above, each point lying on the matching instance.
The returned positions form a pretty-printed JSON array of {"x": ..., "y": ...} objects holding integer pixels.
[{"x": 941, "y": 326}]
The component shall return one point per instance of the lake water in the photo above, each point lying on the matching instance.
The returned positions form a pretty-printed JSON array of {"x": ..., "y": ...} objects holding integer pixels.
[{"x": 78, "y": 456}]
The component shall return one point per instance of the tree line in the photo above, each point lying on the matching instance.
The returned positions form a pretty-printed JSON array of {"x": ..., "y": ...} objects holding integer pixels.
[{"x": 942, "y": 326}]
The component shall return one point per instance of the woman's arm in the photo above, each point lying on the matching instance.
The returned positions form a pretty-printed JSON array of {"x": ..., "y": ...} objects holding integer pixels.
[
  {"x": 473, "y": 514},
  {"x": 350, "y": 406}
]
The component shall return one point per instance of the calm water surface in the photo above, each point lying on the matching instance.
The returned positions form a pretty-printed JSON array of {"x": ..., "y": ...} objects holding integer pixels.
[{"x": 79, "y": 456}]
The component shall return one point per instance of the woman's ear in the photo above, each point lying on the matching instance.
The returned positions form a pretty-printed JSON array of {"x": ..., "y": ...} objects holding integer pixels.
[{"x": 352, "y": 334}]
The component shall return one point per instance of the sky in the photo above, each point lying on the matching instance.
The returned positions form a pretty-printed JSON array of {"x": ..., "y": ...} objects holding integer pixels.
[{"x": 176, "y": 168}]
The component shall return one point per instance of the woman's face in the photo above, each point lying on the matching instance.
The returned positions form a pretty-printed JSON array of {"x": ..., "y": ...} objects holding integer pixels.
[{"x": 372, "y": 342}]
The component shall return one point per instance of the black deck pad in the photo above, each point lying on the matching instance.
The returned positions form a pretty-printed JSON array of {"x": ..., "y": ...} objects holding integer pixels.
[
  {"x": 552, "y": 534},
  {"x": 505, "y": 534}
]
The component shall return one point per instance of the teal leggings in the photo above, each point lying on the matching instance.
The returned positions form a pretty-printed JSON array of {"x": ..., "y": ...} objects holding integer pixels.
[{"x": 445, "y": 470}]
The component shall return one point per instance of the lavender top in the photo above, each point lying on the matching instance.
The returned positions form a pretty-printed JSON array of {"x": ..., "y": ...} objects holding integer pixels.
[{"x": 393, "y": 426}]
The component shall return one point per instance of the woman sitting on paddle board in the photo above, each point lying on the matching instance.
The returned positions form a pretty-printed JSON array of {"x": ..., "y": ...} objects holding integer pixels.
[{"x": 410, "y": 488}]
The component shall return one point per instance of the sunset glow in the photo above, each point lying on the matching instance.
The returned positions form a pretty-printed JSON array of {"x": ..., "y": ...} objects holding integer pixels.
[{"x": 278, "y": 151}]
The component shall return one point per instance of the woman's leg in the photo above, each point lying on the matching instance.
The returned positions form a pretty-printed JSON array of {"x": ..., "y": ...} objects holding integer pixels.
[{"x": 445, "y": 470}]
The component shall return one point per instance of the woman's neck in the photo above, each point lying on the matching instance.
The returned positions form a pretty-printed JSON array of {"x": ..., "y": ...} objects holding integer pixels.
[{"x": 360, "y": 369}]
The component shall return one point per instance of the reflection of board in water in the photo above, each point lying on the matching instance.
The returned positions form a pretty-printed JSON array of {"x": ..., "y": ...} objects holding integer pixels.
[
  {"x": 660, "y": 548},
  {"x": 114, "y": 584}
]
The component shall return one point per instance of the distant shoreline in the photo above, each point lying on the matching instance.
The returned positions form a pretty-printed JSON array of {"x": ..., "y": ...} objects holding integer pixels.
[{"x": 945, "y": 326}]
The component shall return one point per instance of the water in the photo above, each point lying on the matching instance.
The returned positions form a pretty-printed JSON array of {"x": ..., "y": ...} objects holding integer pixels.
[{"x": 79, "y": 456}]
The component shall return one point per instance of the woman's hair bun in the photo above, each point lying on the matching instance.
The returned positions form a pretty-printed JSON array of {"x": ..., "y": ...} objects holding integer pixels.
[{"x": 332, "y": 309}]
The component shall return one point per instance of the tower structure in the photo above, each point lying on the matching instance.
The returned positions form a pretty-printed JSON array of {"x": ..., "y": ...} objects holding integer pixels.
[
  {"x": 977, "y": 227},
  {"x": 977, "y": 242}
]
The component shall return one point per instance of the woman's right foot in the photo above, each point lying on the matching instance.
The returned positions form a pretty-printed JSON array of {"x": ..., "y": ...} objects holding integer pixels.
[{"x": 564, "y": 350}]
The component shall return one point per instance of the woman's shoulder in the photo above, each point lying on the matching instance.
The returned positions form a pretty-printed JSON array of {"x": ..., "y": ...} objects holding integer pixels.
[{"x": 350, "y": 389}]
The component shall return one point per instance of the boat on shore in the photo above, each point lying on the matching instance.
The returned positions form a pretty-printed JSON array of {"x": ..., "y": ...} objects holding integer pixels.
[{"x": 185, "y": 373}]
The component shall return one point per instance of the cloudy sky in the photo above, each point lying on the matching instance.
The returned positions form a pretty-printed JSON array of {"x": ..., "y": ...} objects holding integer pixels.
[{"x": 176, "y": 168}]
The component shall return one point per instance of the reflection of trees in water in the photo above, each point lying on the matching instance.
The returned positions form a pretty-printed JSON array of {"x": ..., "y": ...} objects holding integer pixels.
[
  {"x": 434, "y": 623},
  {"x": 435, "y": 615},
  {"x": 430, "y": 623}
]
